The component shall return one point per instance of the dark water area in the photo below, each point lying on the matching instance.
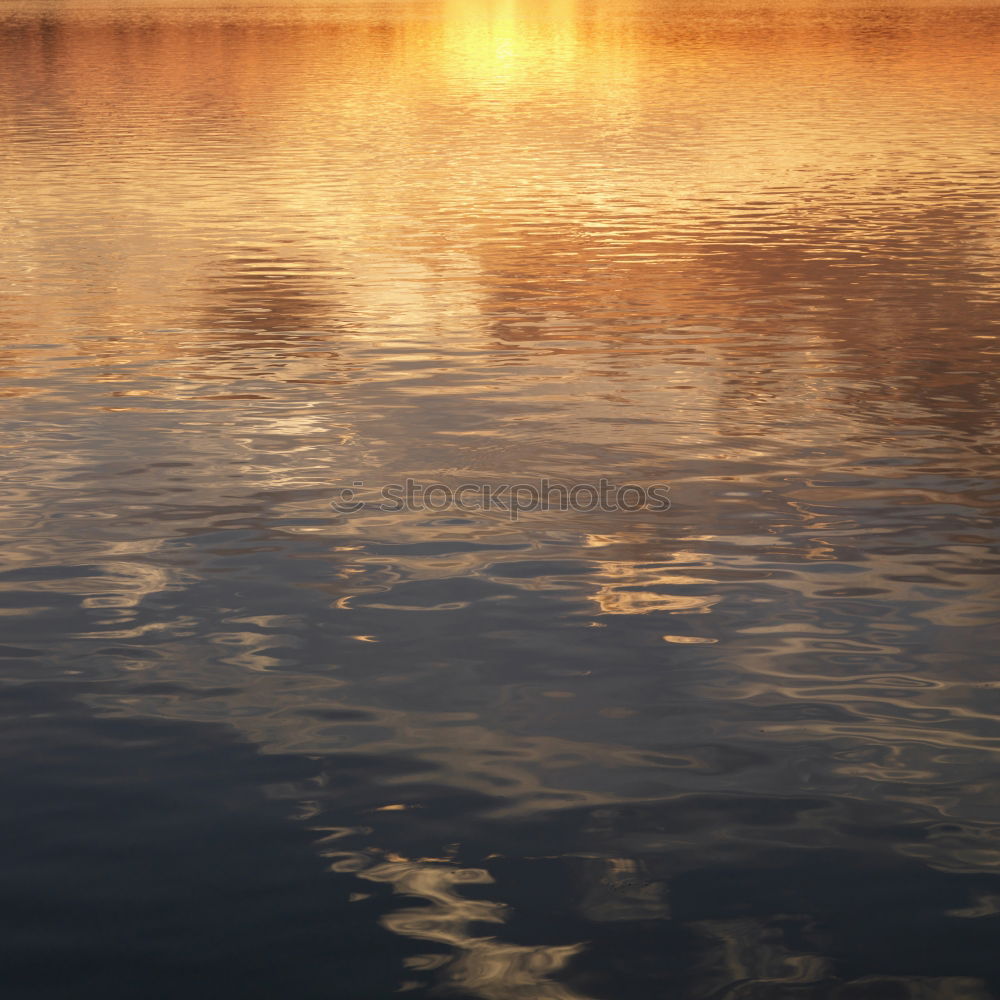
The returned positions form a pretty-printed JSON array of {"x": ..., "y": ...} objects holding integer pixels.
[{"x": 259, "y": 744}]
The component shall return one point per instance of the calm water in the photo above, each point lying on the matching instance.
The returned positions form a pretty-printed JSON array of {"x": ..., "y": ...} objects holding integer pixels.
[{"x": 253, "y": 253}]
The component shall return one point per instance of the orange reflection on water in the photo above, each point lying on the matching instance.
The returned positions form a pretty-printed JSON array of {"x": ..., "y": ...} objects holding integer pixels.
[{"x": 532, "y": 169}]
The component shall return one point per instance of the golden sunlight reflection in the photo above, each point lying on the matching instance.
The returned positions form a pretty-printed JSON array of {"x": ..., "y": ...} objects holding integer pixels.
[
  {"x": 480, "y": 966},
  {"x": 584, "y": 153}
]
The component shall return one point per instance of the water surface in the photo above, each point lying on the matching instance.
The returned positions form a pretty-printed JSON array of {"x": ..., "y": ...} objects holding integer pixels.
[{"x": 253, "y": 253}]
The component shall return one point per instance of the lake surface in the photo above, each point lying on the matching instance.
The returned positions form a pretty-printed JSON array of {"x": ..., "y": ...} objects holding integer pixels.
[{"x": 260, "y": 743}]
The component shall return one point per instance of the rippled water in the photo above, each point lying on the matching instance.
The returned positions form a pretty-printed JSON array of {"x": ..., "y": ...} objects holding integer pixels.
[{"x": 254, "y": 253}]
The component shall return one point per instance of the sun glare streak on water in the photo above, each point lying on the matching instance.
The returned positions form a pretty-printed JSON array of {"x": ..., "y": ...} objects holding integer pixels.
[{"x": 254, "y": 253}]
